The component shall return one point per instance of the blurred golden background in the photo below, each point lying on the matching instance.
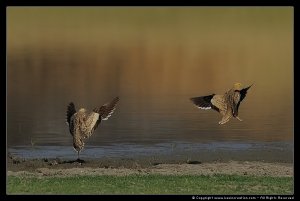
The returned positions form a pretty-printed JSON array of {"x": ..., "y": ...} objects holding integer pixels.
[{"x": 155, "y": 59}]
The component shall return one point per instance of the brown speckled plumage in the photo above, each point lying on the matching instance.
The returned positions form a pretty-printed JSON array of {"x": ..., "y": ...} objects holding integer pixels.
[
  {"x": 227, "y": 104},
  {"x": 82, "y": 124}
]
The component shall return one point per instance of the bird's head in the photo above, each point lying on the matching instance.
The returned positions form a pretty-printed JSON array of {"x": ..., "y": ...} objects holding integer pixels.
[
  {"x": 82, "y": 110},
  {"x": 237, "y": 86}
]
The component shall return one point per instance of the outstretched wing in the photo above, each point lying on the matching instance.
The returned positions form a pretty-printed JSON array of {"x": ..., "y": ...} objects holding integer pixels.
[
  {"x": 105, "y": 111},
  {"x": 204, "y": 102},
  {"x": 70, "y": 111},
  {"x": 243, "y": 93}
]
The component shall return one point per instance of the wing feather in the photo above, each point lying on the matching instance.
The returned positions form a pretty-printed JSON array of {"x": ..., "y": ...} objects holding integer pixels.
[
  {"x": 105, "y": 111},
  {"x": 203, "y": 102},
  {"x": 243, "y": 93},
  {"x": 70, "y": 112}
]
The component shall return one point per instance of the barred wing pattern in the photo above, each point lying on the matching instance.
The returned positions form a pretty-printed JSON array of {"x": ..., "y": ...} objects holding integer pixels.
[
  {"x": 70, "y": 112},
  {"x": 107, "y": 109}
]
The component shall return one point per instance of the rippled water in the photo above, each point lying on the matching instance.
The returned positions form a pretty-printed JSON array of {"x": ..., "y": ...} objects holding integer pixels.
[
  {"x": 154, "y": 59},
  {"x": 177, "y": 151}
]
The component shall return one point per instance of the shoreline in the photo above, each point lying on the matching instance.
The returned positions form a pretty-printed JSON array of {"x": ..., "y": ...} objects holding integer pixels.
[{"x": 121, "y": 167}]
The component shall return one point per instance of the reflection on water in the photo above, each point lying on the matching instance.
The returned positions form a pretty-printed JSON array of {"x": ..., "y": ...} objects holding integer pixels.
[{"x": 155, "y": 59}]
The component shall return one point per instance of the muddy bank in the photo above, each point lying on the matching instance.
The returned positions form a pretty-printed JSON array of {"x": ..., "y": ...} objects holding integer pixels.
[
  {"x": 20, "y": 164},
  {"x": 60, "y": 167}
]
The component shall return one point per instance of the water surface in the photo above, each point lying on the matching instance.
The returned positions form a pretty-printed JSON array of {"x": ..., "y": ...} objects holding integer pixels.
[{"x": 154, "y": 59}]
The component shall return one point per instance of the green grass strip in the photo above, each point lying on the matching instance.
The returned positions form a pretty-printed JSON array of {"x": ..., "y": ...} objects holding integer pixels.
[{"x": 151, "y": 184}]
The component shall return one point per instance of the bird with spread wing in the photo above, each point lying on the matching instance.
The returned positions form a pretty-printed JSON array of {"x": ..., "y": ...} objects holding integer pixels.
[
  {"x": 82, "y": 123},
  {"x": 227, "y": 104}
]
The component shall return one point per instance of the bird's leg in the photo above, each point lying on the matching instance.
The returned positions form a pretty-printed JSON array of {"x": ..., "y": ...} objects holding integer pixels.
[
  {"x": 225, "y": 118},
  {"x": 239, "y": 118},
  {"x": 223, "y": 121},
  {"x": 78, "y": 155}
]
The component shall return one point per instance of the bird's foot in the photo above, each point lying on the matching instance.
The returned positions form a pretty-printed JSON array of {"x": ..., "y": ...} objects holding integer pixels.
[
  {"x": 223, "y": 121},
  {"x": 80, "y": 160},
  {"x": 239, "y": 119}
]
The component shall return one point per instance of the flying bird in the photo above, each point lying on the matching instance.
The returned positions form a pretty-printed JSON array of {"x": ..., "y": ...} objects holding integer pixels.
[
  {"x": 227, "y": 104},
  {"x": 82, "y": 123}
]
